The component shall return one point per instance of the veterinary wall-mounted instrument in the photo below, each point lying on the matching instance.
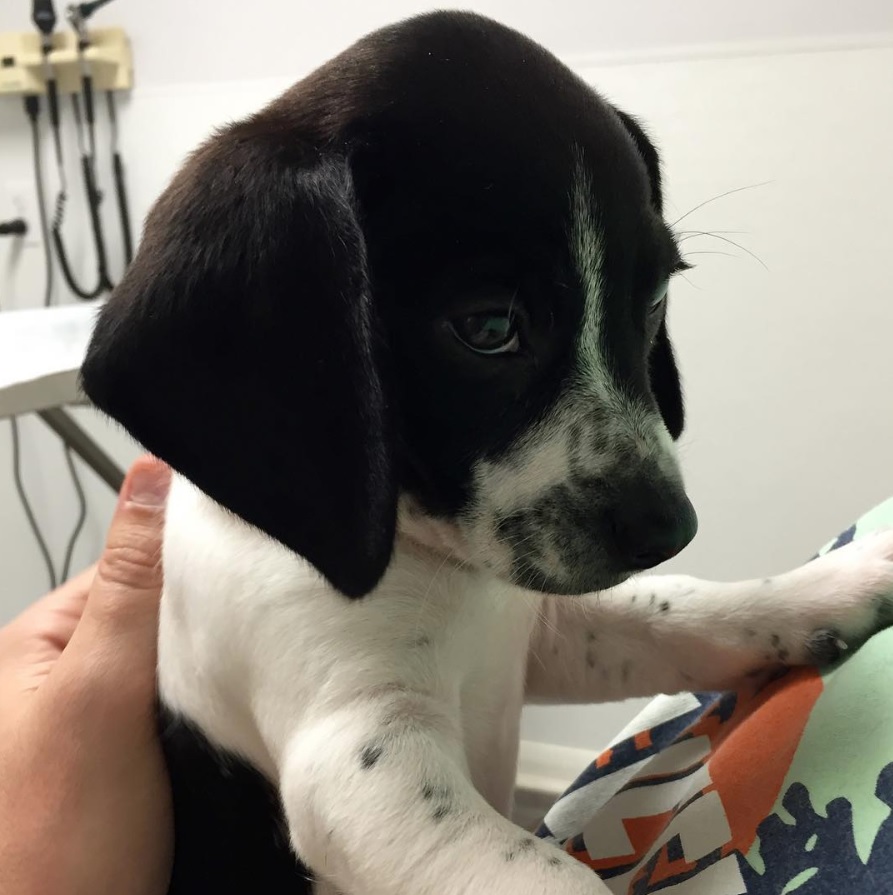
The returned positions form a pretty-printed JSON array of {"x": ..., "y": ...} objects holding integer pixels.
[
  {"x": 78, "y": 15},
  {"x": 80, "y": 63},
  {"x": 57, "y": 64},
  {"x": 44, "y": 18}
]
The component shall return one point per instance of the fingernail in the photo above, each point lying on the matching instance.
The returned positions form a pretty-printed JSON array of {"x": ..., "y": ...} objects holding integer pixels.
[{"x": 147, "y": 485}]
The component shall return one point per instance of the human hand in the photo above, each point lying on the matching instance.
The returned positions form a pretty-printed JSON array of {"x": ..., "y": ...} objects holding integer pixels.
[{"x": 85, "y": 803}]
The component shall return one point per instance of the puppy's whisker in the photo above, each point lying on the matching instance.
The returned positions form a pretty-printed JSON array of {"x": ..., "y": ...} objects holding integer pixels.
[
  {"x": 684, "y": 235},
  {"x": 739, "y": 189},
  {"x": 727, "y": 254},
  {"x": 546, "y": 622},
  {"x": 687, "y": 233},
  {"x": 517, "y": 542},
  {"x": 737, "y": 246},
  {"x": 690, "y": 283},
  {"x": 423, "y": 602}
]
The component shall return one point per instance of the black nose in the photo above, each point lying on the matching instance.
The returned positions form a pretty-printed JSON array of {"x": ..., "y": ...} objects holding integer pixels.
[{"x": 651, "y": 526}]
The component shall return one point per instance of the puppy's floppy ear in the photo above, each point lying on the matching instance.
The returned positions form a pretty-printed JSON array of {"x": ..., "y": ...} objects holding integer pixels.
[
  {"x": 665, "y": 383},
  {"x": 649, "y": 156},
  {"x": 242, "y": 348}
]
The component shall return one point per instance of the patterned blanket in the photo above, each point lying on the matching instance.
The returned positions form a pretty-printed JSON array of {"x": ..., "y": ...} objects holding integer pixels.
[{"x": 786, "y": 787}]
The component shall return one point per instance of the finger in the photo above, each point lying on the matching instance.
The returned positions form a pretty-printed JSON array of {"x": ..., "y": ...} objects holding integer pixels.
[{"x": 115, "y": 640}]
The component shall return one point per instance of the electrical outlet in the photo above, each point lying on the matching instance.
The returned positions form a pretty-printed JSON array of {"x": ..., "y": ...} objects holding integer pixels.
[{"x": 18, "y": 199}]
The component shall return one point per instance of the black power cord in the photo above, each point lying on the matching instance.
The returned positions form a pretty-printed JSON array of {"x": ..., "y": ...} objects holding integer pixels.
[
  {"x": 31, "y": 106},
  {"x": 88, "y": 175},
  {"x": 82, "y": 514},
  {"x": 26, "y": 504},
  {"x": 120, "y": 186},
  {"x": 32, "y": 109}
]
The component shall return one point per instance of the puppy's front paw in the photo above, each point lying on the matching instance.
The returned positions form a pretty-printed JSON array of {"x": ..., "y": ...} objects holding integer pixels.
[{"x": 843, "y": 598}]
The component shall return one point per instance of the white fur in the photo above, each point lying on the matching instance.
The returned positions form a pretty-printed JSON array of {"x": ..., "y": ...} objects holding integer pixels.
[
  {"x": 624, "y": 433},
  {"x": 587, "y": 247},
  {"x": 432, "y": 668}
]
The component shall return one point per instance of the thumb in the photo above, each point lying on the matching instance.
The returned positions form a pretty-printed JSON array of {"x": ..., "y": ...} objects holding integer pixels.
[{"x": 116, "y": 636}]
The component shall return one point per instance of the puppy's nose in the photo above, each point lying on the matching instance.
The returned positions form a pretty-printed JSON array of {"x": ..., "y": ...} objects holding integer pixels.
[{"x": 650, "y": 526}]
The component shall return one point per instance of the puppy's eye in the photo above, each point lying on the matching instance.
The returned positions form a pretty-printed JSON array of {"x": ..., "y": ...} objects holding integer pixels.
[
  {"x": 659, "y": 299},
  {"x": 489, "y": 333}
]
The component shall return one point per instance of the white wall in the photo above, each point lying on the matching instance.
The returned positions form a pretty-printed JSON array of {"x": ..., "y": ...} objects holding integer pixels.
[
  {"x": 182, "y": 41},
  {"x": 786, "y": 369}
]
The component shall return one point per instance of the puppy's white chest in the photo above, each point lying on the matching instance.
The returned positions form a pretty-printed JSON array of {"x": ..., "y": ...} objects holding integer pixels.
[{"x": 254, "y": 645}]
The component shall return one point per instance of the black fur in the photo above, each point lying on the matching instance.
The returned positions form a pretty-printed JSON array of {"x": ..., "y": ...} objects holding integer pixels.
[
  {"x": 370, "y": 756},
  {"x": 281, "y": 339},
  {"x": 230, "y": 831}
]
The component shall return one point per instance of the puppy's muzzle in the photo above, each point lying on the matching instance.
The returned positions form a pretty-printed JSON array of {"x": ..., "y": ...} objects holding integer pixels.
[
  {"x": 650, "y": 524},
  {"x": 591, "y": 533}
]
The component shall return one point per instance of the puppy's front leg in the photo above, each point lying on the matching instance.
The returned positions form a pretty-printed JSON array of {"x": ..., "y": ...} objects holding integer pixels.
[
  {"x": 662, "y": 634},
  {"x": 379, "y": 802}
]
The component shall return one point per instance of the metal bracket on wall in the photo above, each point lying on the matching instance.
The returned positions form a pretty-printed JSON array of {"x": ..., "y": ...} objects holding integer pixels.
[{"x": 63, "y": 424}]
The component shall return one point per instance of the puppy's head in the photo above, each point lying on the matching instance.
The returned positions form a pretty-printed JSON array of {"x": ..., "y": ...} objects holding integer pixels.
[{"x": 432, "y": 274}]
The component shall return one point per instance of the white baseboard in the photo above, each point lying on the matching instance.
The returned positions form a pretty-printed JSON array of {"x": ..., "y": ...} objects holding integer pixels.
[
  {"x": 544, "y": 772},
  {"x": 548, "y": 769}
]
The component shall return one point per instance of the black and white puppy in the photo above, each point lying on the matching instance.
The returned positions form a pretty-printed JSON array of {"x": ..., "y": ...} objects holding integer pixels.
[{"x": 403, "y": 336}]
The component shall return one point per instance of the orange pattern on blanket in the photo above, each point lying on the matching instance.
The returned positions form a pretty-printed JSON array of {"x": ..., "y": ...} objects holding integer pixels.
[
  {"x": 747, "y": 786},
  {"x": 643, "y": 739}
]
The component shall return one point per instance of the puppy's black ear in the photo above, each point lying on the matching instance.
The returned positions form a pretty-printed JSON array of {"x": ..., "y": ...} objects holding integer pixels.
[
  {"x": 242, "y": 348},
  {"x": 649, "y": 156},
  {"x": 666, "y": 384},
  {"x": 665, "y": 381}
]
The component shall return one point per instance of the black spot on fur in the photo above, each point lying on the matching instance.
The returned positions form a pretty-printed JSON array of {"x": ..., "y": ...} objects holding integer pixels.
[
  {"x": 590, "y": 658},
  {"x": 824, "y": 647},
  {"x": 554, "y": 862},
  {"x": 749, "y": 632},
  {"x": 442, "y": 796},
  {"x": 664, "y": 606},
  {"x": 651, "y": 599},
  {"x": 440, "y": 812},
  {"x": 775, "y": 639},
  {"x": 590, "y": 636},
  {"x": 423, "y": 640},
  {"x": 433, "y": 791},
  {"x": 526, "y": 844},
  {"x": 783, "y": 654},
  {"x": 883, "y": 613},
  {"x": 370, "y": 756},
  {"x": 625, "y": 669}
]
